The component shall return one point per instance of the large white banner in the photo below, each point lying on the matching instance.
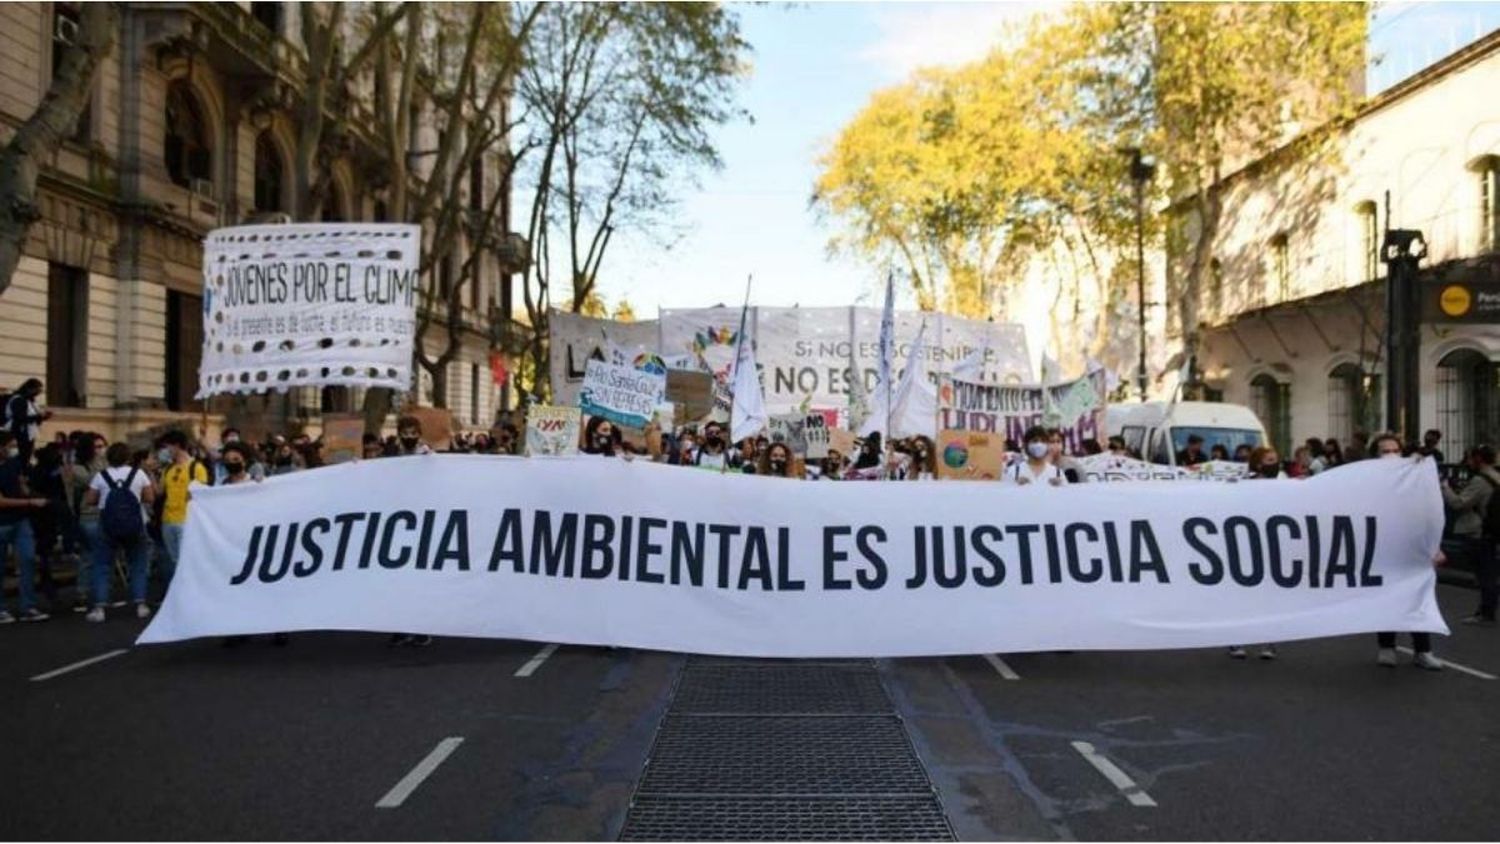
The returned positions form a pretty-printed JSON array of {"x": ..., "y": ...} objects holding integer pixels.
[
  {"x": 315, "y": 304},
  {"x": 589, "y": 550},
  {"x": 805, "y": 354}
]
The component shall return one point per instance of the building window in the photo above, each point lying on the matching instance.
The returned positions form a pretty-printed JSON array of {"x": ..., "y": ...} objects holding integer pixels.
[
  {"x": 1353, "y": 402},
  {"x": 1272, "y": 402},
  {"x": 67, "y": 335},
  {"x": 66, "y": 22},
  {"x": 186, "y": 150},
  {"x": 382, "y": 211},
  {"x": 473, "y": 394},
  {"x": 1215, "y": 289},
  {"x": 270, "y": 170},
  {"x": 335, "y": 399},
  {"x": 1488, "y": 171},
  {"x": 1468, "y": 401},
  {"x": 1369, "y": 241},
  {"x": 476, "y": 183},
  {"x": 269, "y": 15},
  {"x": 445, "y": 277},
  {"x": 333, "y": 204},
  {"x": 184, "y": 349},
  {"x": 1281, "y": 267}
]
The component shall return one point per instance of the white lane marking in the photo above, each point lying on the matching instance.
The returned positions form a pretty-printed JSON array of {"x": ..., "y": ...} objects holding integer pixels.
[
  {"x": 409, "y": 783},
  {"x": 1112, "y": 772},
  {"x": 1000, "y": 667},
  {"x": 1455, "y": 666},
  {"x": 536, "y": 662},
  {"x": 83, "y": 663}
]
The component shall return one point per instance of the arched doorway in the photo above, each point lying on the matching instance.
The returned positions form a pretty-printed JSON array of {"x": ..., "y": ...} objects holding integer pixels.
[
  {"x": 1272, "y": 402},
  {"x": 1468, "y": 401}
]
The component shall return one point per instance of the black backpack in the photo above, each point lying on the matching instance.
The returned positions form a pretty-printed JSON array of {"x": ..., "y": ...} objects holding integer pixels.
[
  {"x": 1491, "y": 512},
  {"x": 120, "y": 517}
]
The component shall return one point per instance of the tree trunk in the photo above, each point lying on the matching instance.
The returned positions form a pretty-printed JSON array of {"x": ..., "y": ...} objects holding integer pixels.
[
  {"x": 1210, "y": 209},
  {"x": 43, "y": 133}
]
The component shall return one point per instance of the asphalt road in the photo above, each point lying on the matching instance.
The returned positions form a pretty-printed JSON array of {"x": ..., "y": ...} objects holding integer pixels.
[{"x": 195, "y": 741}]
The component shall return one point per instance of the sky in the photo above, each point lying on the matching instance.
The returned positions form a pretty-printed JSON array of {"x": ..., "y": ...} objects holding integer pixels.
[{"x": 814, "y": 65}]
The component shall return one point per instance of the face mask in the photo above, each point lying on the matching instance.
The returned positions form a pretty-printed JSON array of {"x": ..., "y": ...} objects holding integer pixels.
[
  {"x": 777, "y": 466},
  {"x": 1270, "y": 471},
  {"x": 234, "y": 468},
  {"x": 712, "y": 439},
  {"x": 603, "y": 440},
  {"x": 409, "y": 442},
  {"x": 1038, "y": 450},
  {"x": 164, "y": 456}
]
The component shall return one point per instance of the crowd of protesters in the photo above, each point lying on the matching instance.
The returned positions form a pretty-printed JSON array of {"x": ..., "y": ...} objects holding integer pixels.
[{"x": 113, "y": 515}]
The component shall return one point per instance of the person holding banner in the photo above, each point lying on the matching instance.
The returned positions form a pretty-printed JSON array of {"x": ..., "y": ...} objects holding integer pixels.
[
  {"x": 923, "y": 466},
  {"x": 1388, "y": 447},
  {"x": 409, "y": 436},
  {"x": 601, "y": 437},
  {"x": 1037, "y": 469},
  {"x": 714, "y": 454},
  {"x": 776, "y": 461},
  {"x": 1265, "y": 464}
]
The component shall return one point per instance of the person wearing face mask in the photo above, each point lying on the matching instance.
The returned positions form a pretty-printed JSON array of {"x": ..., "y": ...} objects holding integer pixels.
[
  {"x": 409, "y": 436},
  {"x": 601, "y": 437},
  {"x": 832, "y": 468},
  {"x": 923, "y": 466},
  {"x": 1036, "y": 470},
  {"x": 749, "y": 456},
  {"x": 776, "y": 461},
  {"x": 16, "y": 505},
  {"x": 1266, "y": 464},
  {"x": 1388, "y": 447},
  {"x": 1064, "y": 462},
  {"x": 714, "y": 454},
  {"x": 686, "y": 450},
  {"x": 236, "y": 462}
]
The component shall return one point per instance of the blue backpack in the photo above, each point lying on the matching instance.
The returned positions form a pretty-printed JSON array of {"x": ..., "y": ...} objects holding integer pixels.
[{"x": 120, "y": 517}]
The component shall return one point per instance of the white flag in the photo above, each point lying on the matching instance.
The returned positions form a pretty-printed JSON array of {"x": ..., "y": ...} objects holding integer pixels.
[
  {"x": 749, "y": 404},
  {"x": 914, "y": 406},
  {"x": 880, "y": 406},
  {"x": 971, "y": 368}
]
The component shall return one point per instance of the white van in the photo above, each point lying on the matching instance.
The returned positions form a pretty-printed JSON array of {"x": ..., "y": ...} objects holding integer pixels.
[{"x": 1157, "y": 436}]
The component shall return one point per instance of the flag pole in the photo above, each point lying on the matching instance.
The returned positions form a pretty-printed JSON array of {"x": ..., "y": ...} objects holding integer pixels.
[
  {"x": 890, "y": 282},
  {"x": 739, "y": 344}
]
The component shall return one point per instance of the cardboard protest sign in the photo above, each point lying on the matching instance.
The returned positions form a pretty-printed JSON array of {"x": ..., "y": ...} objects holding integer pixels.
[
  {"x": 437, "y": 425},
  {"x": 787, "y": 428},
  {"x": 970, "y": 455},
  {"x": 841, "y": 440},
  {"x": 692, "y": 392},
  {"x": 552, "y": 430},
  {"x": 343, "y": 437},
  {"x": 815, "y": 434},
  {"x": 621, "y": 394}
]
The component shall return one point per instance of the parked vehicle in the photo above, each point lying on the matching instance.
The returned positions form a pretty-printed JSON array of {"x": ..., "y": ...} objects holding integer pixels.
[{"x": 1158, "y": 430}]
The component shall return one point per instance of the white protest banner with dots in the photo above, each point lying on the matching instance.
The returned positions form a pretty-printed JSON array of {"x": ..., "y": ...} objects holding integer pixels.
[
  {"x": 590, "y": 551},
  {"x": 308, "y": 305}
]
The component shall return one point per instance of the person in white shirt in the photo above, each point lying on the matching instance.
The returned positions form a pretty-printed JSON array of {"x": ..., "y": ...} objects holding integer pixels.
[
  {"x": 712, "y": 454},
  {"x": 120, "y": 478},
  {"x": 1037, "y": 469}
]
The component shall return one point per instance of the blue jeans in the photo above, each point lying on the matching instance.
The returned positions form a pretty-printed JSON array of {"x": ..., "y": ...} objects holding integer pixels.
[
  {"x": 137, "y": 552},
  {"x": 171, "y": 542},
  {"x": 89, "y": 542},
  {"x": 19, "y": 534}
]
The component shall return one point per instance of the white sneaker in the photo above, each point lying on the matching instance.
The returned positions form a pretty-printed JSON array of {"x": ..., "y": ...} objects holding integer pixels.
[
  {"x": 1237, "y": 652},
  {"x": 6, "y": 617},
  {"x": 1428, "y": 662},
  {"x": 142, "y": 611},
  {"x": 95, "y": 615},
  {"x": 1387, "y": 657},
  {"x": 1268, "y": 652}
]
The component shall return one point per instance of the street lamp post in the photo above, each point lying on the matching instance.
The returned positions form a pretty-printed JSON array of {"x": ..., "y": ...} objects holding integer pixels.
[
  {"x": 1402, "y": 251},
  {"x": 1142, "y": 168}
]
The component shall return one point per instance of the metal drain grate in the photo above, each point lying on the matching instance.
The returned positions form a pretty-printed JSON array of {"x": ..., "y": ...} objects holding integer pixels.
[
  {"x": 780, "y": 690},
  {"x": 773, "y": 750},
  {"x": 758, "y": 755},
  {"x": 786, "y": 819}
]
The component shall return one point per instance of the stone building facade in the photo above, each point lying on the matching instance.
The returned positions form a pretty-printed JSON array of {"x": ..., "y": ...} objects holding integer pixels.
[
  {"x": 1292, "y": 314},
  {"x": 190, "y": 127}
]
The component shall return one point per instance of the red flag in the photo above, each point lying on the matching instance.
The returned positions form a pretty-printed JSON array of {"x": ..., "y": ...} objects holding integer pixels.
[{"x": 498, "y": 369}]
